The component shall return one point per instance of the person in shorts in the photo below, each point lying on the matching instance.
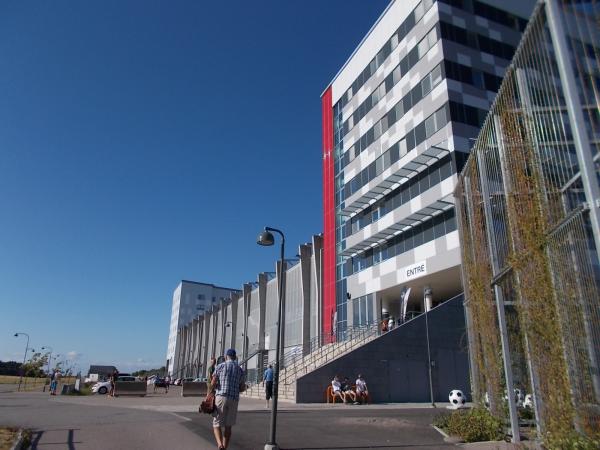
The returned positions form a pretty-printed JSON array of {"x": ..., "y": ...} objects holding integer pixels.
[
  {"x": 347, "y": 392},
  {"x": 336, "y": 388},
  {"x": 362, "y": 391},
  {"x": 226, "y": 382},
  {"x": 268, "y": 380}
]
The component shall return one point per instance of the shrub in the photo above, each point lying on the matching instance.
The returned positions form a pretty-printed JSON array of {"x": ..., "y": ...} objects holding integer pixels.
[
  {"x": 474, "y": 425},
  {"x": 441, "y": 421},
  {"x": 572, "y": 441}
]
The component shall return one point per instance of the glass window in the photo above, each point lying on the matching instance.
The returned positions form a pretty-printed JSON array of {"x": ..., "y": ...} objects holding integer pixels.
[
  {"x": 377, "y": 256},
  {"x": 446, "y": 170},
  {"x": 432, "y": 37},
  {"x": 414, "y": 189},
  {"x": 378, "y": 166},
  {"x": 451, "y": 223},
  {"x": 426, "y": 85},
  {"x": 408, "y": 241},
  {"x": 419, "y": 11},
  {"x": 430, "y": 125},
  {"x": 424, "y": 183},
  {"x": 396, "y": 75},
  {"x": 440, "y": 119},
  {"x": 410, "y": 140},
  {"x": 434, "y": 176},
  {"x": 403, "y": 149},
  {"x": 438, "y": 226},
  {"x": 418, "y": 236},
  {"x": 394, "y": 153},
  {"x": 436, "y": 75},
  {"x": 394, "y": 41},
  {"x": 386, "y": 160},
  {"x": 422, "y": 48},
  {"x": 428, "y": 232},
  {"x": 420, "y": 133},
  {"x": 363, "y": 310}
]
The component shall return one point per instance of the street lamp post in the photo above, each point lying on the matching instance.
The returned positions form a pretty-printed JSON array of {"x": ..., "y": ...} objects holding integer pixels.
[
  {"x": 49, "y": 357},
  {"x": 24, "y": 357},
  {"x": 266, "y": 238}
]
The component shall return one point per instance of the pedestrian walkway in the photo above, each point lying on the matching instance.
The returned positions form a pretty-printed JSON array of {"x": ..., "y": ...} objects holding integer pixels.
[{"x": 83, "y": 420}]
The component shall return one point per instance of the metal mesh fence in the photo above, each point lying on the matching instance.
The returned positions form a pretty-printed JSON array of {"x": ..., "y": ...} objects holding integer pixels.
[{"x": 530, "y": 262}]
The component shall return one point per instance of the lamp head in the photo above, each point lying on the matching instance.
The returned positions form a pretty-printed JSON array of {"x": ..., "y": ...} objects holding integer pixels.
[{"x": 265, "y": 238}]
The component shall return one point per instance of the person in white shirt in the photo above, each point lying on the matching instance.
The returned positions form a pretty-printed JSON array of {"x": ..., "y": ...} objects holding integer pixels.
[
  {"x": 362, "y": 391},
  {"x": 336, "y": 386}
]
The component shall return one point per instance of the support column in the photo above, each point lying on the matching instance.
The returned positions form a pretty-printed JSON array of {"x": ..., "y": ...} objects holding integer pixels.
[
  {"x": 305, "y": 252},
  {"x": 506, "y": 358},
  {"x": 281, "y": 272},
  {"x": 247, "y": 290},
  {"x": 205, "y": 337},
  {"x": 233, "y": 326},
  {"x": 575, "y": 112},
  {"x": 262, "y": 299},
  {"x": 317, "y": 241}
]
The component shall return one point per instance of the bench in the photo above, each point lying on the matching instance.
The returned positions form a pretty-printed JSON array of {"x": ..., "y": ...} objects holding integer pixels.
[{"x": 330, "y": 398}]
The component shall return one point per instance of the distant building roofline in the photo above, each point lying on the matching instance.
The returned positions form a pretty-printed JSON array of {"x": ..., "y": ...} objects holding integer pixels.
[{"x": 211, "y": 285}]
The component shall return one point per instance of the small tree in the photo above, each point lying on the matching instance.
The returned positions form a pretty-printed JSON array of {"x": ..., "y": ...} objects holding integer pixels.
[{"x": 34, "y": 367}]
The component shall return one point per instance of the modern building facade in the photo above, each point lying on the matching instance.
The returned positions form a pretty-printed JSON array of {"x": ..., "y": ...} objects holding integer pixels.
[
  {"x": 397, "y": 120},
  {"x": 190, "y": 299},
  {"x": 529, "y": 215},
  {"x": 247, "y": 319}
]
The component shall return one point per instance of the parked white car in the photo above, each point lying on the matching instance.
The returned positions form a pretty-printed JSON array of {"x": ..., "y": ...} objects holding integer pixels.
[{"x": 102, "y": 387}]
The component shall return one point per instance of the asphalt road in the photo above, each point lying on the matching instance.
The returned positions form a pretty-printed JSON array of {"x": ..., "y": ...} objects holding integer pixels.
[{"x": 168, "y": 421}]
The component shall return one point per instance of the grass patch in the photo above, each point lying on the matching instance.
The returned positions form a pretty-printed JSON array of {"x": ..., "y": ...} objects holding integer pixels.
[
  {"x": 32, "y": 383},
  {"x": 471, "y": 425}
]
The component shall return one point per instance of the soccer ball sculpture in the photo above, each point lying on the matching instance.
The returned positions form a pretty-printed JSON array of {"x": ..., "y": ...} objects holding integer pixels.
[
  {"x": 457, "y": 399},
  {"x": 528, "y": 403}
]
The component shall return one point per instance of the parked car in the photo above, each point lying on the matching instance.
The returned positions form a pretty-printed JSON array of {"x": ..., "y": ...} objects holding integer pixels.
[{"x": 102, "y": 387}]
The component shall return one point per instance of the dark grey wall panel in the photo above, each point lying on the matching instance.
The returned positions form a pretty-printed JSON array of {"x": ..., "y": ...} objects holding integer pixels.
[{"x": 395, "y": 364}]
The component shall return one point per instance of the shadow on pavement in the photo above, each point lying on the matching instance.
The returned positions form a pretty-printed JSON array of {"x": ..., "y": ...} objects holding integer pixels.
[{"x": 36, "y": 437}]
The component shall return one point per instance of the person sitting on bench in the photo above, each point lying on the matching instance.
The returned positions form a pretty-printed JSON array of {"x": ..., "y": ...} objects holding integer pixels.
[
  {"x": 347, "y": 392},
  {"x": 362, "y": 392},
  {"x": 337, "y": 388}
]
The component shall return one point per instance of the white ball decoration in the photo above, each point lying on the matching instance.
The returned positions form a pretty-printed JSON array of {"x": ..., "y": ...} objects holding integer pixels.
[
  {"x": 457, "y": 399},
  {"x": 528, "y": 403},
  {"x": 519, "y": 397}
]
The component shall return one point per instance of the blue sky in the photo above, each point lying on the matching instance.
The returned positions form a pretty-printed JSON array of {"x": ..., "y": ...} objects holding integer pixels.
[{"x": 145, "y": 142}]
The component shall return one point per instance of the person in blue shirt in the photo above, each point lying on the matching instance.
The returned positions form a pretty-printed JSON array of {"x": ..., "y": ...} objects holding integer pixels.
[{"x": 268, "y": 380}]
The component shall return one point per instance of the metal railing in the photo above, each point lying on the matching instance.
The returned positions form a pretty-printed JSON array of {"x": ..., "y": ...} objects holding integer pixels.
[{"x": 298, "y": 365}]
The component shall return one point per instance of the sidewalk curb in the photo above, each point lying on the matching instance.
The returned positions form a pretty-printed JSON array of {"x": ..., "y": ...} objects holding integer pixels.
[{"x": 18, "y": 444}]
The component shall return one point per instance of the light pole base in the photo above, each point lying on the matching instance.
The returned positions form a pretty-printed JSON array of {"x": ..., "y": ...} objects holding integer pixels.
[{"x": 271, "y": 447}]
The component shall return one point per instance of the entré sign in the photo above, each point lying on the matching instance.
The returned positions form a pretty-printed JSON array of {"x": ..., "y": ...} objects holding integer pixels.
[{"x": 415, "y": 270}]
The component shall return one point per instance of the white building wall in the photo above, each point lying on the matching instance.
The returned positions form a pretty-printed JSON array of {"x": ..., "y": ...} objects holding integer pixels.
[{"x": 190, "y": 299}]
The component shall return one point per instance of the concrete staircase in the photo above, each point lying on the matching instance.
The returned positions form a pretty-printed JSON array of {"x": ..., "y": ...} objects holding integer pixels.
[{"x": 302, "y": 365}]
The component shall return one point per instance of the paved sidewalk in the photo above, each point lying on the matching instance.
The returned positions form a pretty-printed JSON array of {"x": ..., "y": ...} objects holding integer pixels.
[
  {"x": 170, "y": 421},
  {"x": 300, "y": 426}
]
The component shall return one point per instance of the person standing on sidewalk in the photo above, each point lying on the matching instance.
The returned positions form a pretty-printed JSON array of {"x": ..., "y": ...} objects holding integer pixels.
[
  {"x": 268, "y": 380},
  {"x": 226, "y": 382}
]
